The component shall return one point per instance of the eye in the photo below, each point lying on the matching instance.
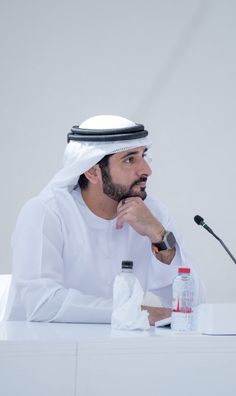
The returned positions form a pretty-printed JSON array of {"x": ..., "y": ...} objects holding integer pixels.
[{"x": 129, "y": 160}]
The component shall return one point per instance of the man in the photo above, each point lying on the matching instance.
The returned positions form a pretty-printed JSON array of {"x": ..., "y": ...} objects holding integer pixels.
[{"x": 70, "y": 240}]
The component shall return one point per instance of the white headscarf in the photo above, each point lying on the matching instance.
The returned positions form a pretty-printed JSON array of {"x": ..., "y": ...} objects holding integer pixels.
[{"x": 81, "y": 156}]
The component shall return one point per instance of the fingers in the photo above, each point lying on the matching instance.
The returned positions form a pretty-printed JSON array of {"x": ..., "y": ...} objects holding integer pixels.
[
  {"x": 125, "y": 202},
  {"x": 122, "y": 218},
  {"x": 134, "y": 212},
  {"x": 157, "y": 313},
  {"x": 129, "y": 210},
  {"x": 125, "y": 209},
  {"x": 120, "y": 222}
]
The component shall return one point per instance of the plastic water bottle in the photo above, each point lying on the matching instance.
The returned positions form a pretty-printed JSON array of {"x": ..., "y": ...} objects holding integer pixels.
[
  {"x": 128, "y": 275},
  {"x": 129, "y": 279},
  {"x": 127, "y": 313},
  {"x": 182, "y": 318}
]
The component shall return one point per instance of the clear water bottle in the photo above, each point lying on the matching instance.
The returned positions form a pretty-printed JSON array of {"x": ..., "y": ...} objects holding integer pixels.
[
  {"x": 123, "y": 287},
  {"x": 127, "y": 313},
  {"x": 127, "y": 274},
  {"x": 124, "y": 283},
  {"x": 183, "y": 304}
]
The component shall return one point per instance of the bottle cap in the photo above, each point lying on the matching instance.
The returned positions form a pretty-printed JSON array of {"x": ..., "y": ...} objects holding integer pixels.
[
  {"x": 184, "y": 270},
  {"x": 127, "y": 264}
]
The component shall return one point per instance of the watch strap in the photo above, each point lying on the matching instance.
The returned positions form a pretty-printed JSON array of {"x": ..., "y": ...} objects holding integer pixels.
[
  {"x": 159, "y": 246},
  {"x": 167, "y": 243}
]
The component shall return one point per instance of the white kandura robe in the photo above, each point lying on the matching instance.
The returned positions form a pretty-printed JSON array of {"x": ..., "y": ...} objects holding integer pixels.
[{"x": 65, "y": 259}]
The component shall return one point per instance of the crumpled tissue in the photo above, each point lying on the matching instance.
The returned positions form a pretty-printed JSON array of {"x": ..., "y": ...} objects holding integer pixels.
[{"x": 127, "y": 300}]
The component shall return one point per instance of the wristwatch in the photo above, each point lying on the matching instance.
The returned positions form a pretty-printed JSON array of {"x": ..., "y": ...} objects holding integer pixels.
[{"x": 167, "y": 243}]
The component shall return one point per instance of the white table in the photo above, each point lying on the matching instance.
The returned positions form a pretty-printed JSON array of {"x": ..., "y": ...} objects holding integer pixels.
[{"x": 47, "y": 359}]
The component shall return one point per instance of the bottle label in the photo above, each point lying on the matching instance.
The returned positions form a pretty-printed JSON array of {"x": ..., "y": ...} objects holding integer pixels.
[
  {"x": 183, "y": 306},
  {"x": 183, "y": 302}
]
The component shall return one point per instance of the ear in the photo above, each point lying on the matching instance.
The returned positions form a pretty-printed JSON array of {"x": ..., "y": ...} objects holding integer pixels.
[{"x": 93, "y": 174}]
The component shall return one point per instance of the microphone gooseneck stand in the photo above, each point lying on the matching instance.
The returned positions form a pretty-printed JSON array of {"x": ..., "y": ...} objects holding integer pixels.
[{"x": 200, "y": 221}]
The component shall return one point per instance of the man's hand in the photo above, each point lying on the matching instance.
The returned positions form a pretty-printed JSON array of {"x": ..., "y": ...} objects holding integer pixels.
[
  {"x": 134, "y": 212},
  {"x": 156, "y": 313}
]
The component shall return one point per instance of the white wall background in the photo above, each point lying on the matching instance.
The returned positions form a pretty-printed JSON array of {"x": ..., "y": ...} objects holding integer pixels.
[{"x": 169, "y": 64}]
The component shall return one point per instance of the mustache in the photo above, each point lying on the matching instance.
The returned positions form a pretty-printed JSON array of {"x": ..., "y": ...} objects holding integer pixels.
[{"x": 140, "y": 180}]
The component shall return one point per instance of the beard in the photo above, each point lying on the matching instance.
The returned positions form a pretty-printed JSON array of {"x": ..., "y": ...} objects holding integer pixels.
[{"x": 117, "y": 192}]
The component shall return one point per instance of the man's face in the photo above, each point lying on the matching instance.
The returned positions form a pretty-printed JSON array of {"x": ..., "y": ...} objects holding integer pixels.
[{"x": 126, "y": 174}]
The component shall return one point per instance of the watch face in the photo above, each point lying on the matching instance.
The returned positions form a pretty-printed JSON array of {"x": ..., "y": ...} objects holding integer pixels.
[
  {"x": 167, "y": 243},
  {"x": 170, "y": 240}
]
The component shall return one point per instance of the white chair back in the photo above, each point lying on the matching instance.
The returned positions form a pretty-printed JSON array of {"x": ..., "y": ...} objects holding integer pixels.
[{"x": 5, "y": 280}]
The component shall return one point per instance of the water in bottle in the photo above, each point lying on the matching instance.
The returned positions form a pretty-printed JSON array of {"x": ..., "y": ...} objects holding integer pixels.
[
  {"x": 183, "y": 301},
  {"x": 124, "y": 284},
  {"x": 127, "y": 299}
]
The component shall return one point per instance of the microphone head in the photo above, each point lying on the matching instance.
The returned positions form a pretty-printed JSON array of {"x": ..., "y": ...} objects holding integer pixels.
[{"x": 199, "y": 220}]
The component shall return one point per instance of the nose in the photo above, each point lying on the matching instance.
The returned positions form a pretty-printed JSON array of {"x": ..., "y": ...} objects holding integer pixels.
[{"x": 144, "y": 168}]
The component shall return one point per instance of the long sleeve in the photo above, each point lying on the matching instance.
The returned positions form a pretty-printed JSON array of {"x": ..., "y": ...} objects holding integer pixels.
[
  {"x": 65, "y": 260},
  {"x": 37, "y": 292}
]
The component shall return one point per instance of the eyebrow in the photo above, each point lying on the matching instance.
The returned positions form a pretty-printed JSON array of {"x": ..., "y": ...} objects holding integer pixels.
[{"x": 133, "y": 153}]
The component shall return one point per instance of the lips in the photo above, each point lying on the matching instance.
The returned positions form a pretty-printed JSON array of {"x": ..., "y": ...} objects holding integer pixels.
[{"x": 142, "y": 184}]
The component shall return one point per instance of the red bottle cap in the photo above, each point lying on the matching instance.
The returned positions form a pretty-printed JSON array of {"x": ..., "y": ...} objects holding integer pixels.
[{"x": 184, "y": 270}]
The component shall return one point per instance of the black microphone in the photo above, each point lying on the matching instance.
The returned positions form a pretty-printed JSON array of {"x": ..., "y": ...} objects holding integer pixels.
[{"x": 200, "y": 221}]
